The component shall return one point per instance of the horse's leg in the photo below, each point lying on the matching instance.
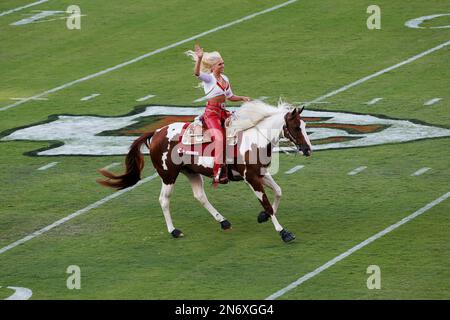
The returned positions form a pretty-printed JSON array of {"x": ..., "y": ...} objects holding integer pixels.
[
  {"x": 164, "y": 200},
  {"x": 268, "y": 181},
  {"x": 256, "y": 183},
  {"x": 196, "y": 181}
]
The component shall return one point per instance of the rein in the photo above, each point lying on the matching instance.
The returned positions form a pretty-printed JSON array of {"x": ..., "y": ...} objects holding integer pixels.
[{"x": 287, "y": 132}]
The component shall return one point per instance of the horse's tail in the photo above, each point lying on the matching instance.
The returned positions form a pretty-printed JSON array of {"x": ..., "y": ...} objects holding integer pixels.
[{"x": 134, "y": 162}]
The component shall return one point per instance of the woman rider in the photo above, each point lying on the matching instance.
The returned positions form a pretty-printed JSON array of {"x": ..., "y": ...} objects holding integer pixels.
[{"x": 209, "y": 68}]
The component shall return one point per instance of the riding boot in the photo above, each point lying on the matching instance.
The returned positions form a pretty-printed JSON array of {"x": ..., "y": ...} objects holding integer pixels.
[
  {"x": 223, "y": 179},
  {"x": 216, "y": 175}
]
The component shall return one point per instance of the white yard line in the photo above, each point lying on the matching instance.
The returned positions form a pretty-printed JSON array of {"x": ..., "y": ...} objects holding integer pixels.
[
  {"x": 379, "y": 73},
  {"x": 112, "y": 165},
  {"x": 373, "y": 101},
  {"x": 420, "y": 171},
  {"x": 92, "y": 96},
  {"x": 149, "y": 54},
  {"x": 75, "y": 214},
  {"x": 294, "y": 169},
  {"x": 432, "y": 101},
  {"x": 4, "y": 13},
  {"x": 310, "y": 102},
  {"x": 357, "y": 170},
  {"x": 344, "y": 255},
  {"x": 145, "y": 98},
  {"x": 27, "y": 98},
  {"x": 48, "y": 166}
]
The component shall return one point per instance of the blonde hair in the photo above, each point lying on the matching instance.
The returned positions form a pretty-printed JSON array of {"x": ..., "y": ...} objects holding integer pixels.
[{"x": 208, "y": 60}]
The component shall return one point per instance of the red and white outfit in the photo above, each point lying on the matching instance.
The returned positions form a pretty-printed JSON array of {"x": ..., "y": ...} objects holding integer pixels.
[{"x": 215, "y": 115}]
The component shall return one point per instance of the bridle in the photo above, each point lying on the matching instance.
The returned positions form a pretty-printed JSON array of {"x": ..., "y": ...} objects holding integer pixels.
[{"x": 286, "y": 133}]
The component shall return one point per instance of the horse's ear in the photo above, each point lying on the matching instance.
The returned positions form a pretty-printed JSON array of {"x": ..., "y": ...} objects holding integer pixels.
[
  {"x": 301, "y": 110},
  {"x": 293, "y": 113}
]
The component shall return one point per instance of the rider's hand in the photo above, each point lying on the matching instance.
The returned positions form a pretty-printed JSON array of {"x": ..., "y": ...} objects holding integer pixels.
[
  {"x": 246, "y": 99},
  {"x": 198, "y": 51}
]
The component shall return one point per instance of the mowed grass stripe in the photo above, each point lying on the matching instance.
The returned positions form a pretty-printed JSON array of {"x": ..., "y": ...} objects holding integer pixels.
[
  {"x": 361, "y": 245},
  {"x": 146, "y": 55},
  {"x": 4, "y": 13},
  {"x": 74, "y": 215}
]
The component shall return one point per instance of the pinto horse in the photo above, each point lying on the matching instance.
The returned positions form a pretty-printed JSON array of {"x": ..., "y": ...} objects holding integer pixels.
[{"x": 259, "y": 126}]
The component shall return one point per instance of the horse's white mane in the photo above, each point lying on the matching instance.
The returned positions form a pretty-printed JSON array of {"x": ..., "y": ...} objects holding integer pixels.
[{"x": 253, "y": 112}]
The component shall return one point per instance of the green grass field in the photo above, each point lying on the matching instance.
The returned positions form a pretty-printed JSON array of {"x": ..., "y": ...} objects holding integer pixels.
[{"x": 298, "y": 52}]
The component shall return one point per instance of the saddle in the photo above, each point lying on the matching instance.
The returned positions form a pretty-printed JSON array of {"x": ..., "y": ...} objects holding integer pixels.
[{"x": 196, "y": 132}]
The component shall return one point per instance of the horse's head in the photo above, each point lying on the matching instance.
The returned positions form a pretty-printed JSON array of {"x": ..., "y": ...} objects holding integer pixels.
[{"x": 295, "y": 130}]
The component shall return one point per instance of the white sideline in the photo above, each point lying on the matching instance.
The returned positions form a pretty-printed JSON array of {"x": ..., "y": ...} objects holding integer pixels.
[
  {"x": 344, "y": 255},
  {"x": 4, "y": 13},
  {"x": 126, "y": 63},
  {"x": 376, "y": 74},
  {"x": 75, "y": 214}
]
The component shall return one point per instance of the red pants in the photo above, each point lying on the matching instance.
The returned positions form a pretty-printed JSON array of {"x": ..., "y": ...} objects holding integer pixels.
[{"x": 214, "y": 117}]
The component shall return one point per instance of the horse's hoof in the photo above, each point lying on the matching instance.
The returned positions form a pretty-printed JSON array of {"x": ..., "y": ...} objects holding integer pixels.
[
  {"x": 177, "y": 233},
  {"x": 286, "y": 235},
  {"x": 263, "y": 217},
  {"x": 225, "y": 225}
]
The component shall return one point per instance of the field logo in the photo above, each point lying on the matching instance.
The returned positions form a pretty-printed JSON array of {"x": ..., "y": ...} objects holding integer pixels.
[
  {"x": 102, "y": 136},
  {"x": 374, "y": 20},
  {"x": 374, "y": 280},
  {"x": 415, "y": 23}
]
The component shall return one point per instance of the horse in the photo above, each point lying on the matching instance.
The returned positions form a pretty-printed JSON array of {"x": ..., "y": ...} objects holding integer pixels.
[{"x": 256, "y": 126}]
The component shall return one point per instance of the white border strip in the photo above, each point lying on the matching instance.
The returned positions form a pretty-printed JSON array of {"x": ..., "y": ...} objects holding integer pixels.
[
  {"x": 4, "y": 13},
  {"x": 126, "y": 63},
  {"x": 376, "y": 74},
  {"x": 75, "y": 214},
  {"x": 357, "y": 247}
]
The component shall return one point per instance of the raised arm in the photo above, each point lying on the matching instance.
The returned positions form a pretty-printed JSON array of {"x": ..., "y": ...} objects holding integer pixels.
[{"x": 199, "y": 53}]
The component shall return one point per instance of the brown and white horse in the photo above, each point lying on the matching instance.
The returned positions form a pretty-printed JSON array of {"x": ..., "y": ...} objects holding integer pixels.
[{"x": 261, "y": 127}]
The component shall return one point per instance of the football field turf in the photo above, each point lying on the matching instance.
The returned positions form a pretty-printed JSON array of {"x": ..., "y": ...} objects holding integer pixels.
[{"x": 301, "y": 51}]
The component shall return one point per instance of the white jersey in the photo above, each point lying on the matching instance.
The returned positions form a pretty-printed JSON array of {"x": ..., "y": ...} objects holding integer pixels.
[{"x": 213, "y": 88}]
